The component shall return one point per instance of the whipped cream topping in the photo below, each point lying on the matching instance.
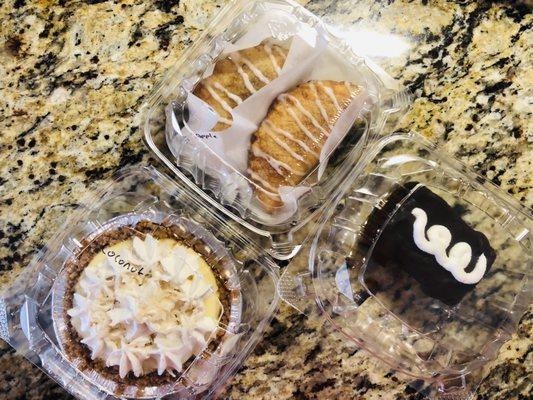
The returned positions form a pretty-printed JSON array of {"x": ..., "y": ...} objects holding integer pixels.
[{"x": 146, "y": 305}]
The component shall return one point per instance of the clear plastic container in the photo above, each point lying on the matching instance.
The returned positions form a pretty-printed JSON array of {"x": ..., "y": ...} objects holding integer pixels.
[
  {"x": 366, "y": 283},
  {"x": 138, "y": 202},
  {"x": 358, "y": 187},
  {"x": 226, "y": 165}
]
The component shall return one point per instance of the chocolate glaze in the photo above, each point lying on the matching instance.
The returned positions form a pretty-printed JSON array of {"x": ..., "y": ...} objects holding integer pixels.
[{"x": 395, "y": 246}]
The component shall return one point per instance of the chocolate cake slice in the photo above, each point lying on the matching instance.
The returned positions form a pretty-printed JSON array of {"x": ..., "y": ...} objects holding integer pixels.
[{"x": 428, "y": 240}]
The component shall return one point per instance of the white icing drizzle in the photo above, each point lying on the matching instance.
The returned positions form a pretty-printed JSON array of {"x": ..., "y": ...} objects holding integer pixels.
[
  {"x": 319, "y": 104},
  {"x": 348, "y": 86},
  {"x": 274, "y": 163},
  {"x": 285, "y": 146},
  {"x": 329, "y": 92},
  {"x": 268, "y": 50},
  {"x": 285, "y": 96},
  {"x": 243, "y": 75},
  {"x": 288, "y": 135},
  {"x": 263, "y": 185},
  {"x": 438, "y": 240},
  {"x": 280, "y": 52},
  {"x": 225, "y": 120},
  {"x": 219, "y": 99},
  {"x": 231, "y": 95},
  {"x": 302, "y": 127},
  {"x": 238, "y": 57}
]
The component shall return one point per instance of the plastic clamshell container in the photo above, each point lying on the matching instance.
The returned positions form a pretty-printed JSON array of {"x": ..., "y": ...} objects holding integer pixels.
[
  {"x": 35, "y": 322},
  {"x": 186, "y": 154},
  {"x": 384, "y": 310}
]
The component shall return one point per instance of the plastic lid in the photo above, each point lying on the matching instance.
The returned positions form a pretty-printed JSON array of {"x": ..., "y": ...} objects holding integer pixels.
[
  {"x": 141, "y": 239},
  {"x": 420, "y": 263}
]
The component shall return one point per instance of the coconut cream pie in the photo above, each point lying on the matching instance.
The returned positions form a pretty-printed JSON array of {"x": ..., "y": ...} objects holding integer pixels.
[
  {"x": 142, "y": 303},
  {"x": 238, "y": 76},
  {"x": 287, "y": 145}
]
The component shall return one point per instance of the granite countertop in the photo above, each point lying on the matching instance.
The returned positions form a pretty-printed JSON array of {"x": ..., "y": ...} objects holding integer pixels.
[{"x": 73, "y": 75}]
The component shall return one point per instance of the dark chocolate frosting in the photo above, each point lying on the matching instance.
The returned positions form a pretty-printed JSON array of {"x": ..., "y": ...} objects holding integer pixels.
[{"x": 396, "y": 247}]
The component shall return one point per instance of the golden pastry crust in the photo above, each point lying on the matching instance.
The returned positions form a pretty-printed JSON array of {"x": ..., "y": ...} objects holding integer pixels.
[
  {"x": 287, "y": 145},
  {"x": 238, "y": 76}
]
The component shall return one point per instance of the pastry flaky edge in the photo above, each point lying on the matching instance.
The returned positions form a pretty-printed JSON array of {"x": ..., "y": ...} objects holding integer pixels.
[
  {"x": 287, "y": 145},
  {"x": 238, "y": 76}
]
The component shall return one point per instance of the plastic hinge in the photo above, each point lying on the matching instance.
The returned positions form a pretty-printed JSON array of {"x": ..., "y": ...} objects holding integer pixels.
[
  {"x": 4, "y": 330},
  {"x": 297, "y": 290}
]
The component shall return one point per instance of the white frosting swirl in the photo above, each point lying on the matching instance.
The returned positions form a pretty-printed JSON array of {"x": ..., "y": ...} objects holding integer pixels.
[
  {"x": 146, "y": 305},
  {"x": 437, "y": 243}
]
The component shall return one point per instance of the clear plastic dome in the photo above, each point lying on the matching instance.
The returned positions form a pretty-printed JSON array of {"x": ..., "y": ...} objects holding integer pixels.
[
  {"x": 397, "y": 301},
  {"x": 138, "y": 203}
]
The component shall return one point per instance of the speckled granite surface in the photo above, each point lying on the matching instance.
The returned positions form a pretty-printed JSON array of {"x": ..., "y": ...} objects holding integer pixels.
[{"x": 73, "y": 75}]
